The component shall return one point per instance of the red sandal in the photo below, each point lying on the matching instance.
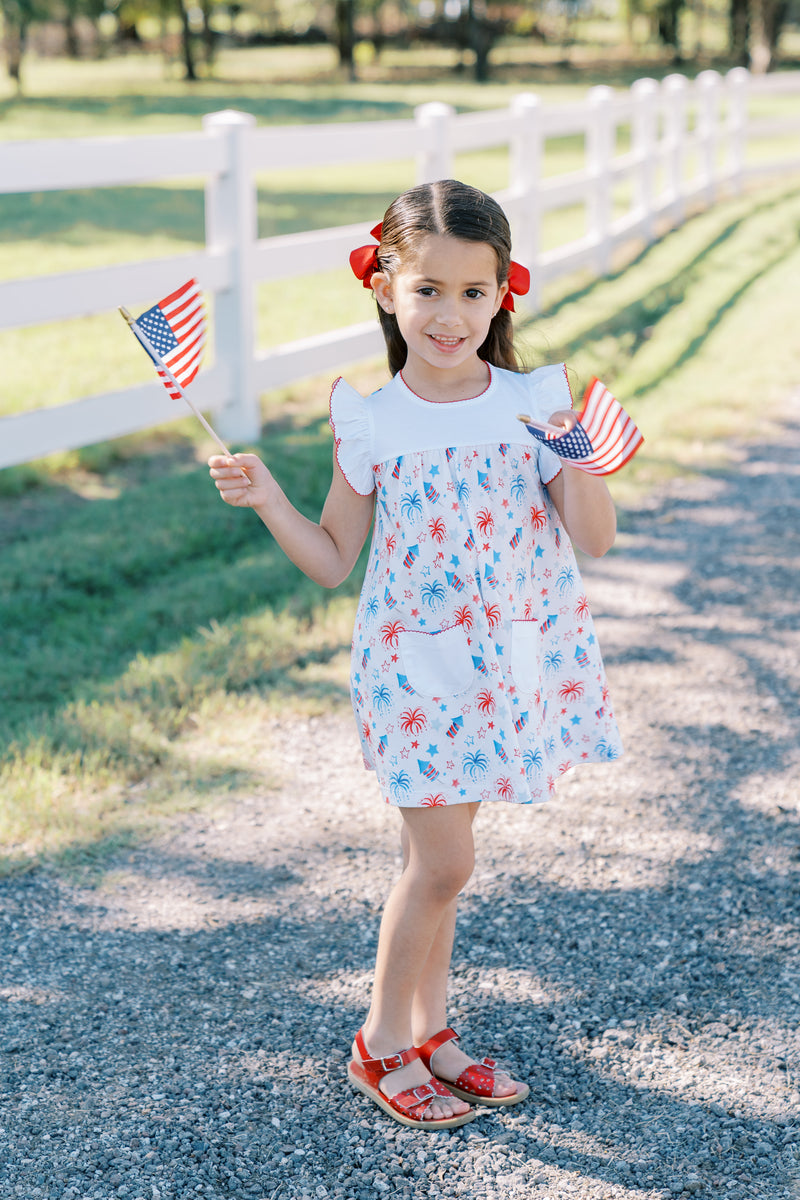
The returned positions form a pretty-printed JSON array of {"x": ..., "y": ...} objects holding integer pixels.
[
  {"x": 406, "y": 1107},
  {"x": 476, "y": 1082}
]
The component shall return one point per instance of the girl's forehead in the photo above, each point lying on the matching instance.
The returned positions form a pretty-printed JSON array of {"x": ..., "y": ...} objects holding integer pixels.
[{"x": 439, "y": 255}]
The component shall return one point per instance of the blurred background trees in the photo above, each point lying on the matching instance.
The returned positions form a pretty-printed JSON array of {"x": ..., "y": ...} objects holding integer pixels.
[{"x": 191, "y": 29}]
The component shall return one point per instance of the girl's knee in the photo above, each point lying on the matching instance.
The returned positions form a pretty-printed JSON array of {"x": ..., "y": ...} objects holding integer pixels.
[
  {"x": 440, "y": 850},
  {"x": 444, "y": 876}
]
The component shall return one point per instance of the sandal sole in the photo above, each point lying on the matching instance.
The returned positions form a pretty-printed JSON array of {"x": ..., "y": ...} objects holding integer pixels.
[
  {"x": 382, "y": 1102},
  {"x": 489, "y": 1101}
]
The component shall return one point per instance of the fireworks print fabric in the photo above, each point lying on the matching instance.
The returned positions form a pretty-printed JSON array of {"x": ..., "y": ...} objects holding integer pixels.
[
  {"x": 604, "y": 439},
  {"x": 475, "y": 670}
]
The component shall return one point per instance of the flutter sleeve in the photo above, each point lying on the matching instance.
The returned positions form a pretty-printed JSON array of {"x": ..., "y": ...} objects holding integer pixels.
[
  {"x": 352, "y": 433},
  {"x": 549, "y": 392}
]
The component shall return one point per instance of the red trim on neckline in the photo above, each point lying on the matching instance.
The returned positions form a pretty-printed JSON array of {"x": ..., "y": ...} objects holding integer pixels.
[{"x": 463, "y": 400}]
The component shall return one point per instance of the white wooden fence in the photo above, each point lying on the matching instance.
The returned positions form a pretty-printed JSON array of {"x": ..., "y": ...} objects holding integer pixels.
[{"x": 687, "y": 147}]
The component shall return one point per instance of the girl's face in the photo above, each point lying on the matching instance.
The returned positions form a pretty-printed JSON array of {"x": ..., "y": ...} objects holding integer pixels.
[{"x": 444, "y": 297}]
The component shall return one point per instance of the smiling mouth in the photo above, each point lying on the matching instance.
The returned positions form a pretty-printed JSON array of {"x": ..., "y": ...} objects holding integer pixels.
[{"x": 447, "y": 342}]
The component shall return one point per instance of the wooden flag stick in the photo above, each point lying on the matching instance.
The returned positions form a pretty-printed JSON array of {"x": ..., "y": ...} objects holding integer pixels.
[
  {"x": 543, "y": 425},
  {"x": 148, "y": 345}
]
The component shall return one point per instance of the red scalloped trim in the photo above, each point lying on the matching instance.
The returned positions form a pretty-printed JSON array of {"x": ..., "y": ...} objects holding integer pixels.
[
  {"x": 569, "y": 387},
  {"x": 338, "y": 441}
]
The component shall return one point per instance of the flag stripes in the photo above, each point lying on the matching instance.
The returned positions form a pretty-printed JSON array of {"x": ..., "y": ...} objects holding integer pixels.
[{"x": 176, "y": 328}]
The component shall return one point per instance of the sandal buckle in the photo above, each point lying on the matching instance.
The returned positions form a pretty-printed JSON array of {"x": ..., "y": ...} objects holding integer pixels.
[{"x": 393, "y": 1063}]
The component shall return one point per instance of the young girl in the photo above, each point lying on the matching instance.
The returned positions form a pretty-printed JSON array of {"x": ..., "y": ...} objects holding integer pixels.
[{"x": 475, "y": 670}]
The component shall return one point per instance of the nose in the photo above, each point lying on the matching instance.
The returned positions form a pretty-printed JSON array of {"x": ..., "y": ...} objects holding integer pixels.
[{"x": 448, "y": 312}]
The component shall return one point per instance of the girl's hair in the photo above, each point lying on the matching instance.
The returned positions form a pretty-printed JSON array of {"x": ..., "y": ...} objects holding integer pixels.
[{"x": 456, "y": 210}]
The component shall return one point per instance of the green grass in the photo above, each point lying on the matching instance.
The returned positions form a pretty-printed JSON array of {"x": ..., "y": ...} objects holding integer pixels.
[{"x": 148, "y": 632}]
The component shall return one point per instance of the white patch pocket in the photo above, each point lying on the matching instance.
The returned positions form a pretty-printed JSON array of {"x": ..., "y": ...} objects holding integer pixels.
[
  {"x": 526, "y": 641},
  {"x": 437, "y": 664}
]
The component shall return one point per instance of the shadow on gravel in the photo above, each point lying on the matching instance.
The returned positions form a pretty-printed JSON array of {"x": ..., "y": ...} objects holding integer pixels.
[{"x": 652, "y": 1002}]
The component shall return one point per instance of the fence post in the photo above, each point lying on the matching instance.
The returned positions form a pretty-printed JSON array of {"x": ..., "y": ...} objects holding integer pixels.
[
  {"x": 525, "y": 176},
  {"x": 231, "y": 228},
  {"x": 599, "y": 154},
  {"x": 435, "y": 161},
  {"x": 738, "y": 81},
  {"x": 674, "y": 92},
  {"x": 644, "y": 136},
  {"x": 708, "y": 85}
]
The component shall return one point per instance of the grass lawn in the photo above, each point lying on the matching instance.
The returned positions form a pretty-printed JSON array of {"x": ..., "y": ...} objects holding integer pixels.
[{"x": 147, "y": 629}]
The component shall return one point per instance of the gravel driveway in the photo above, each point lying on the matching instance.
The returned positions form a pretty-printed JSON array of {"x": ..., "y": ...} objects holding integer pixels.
[{"x": 181, "y": 1029}]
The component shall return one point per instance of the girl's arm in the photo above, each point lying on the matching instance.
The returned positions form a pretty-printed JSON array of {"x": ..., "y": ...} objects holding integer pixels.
[
  {"x": 327, "y": 551},
  {"x": 583, "y": 502}
]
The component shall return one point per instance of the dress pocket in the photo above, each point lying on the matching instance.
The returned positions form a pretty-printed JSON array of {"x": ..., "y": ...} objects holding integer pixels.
[
  {"x": 437, "y": 664},
  {"x": 526, "y": 641}
]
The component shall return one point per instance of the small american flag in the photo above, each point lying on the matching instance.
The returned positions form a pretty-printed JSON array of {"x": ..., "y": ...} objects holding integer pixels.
[
  {"x": 176, "y": 329},
  {"x": 604, "y": 439}
]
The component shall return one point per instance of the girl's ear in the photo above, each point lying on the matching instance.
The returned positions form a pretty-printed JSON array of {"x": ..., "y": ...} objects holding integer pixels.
[
  {"x": 382, "y": 289},
  {"x": 502, "y": 291}
]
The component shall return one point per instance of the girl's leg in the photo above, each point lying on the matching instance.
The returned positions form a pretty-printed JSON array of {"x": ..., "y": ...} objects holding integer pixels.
[
  {"x": 440, "y": 861},
  {"x": 429, "y": 1006}
]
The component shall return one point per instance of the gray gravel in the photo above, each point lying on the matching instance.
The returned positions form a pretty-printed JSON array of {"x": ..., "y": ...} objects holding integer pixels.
[{"x": 180, "y": 1027}]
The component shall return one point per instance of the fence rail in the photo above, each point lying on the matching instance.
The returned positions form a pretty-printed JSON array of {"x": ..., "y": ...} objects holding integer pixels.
[{"x": 674, "y": 145}]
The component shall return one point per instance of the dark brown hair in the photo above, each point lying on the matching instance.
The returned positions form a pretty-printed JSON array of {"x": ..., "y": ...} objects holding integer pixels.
[{"x": 456, "y": 210}]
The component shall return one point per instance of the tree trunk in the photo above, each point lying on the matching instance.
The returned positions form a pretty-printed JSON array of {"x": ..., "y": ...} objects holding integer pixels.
[
  {"x": 209, "y": 41},
  {"x": 480, "y": 40},
  {"x": 761, "y": 42},
  {"x": 739, "y": 30},
  {"x": 15, "y": 23},
  {"x": 188, "y": 49},
  {"x": 73, "y": 47},
  {"x": 668, "y": 17},
  {"x": 346, "y": 36}
]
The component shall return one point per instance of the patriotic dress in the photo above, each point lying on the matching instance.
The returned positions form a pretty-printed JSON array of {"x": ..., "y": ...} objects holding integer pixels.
[{"x": 475, "y": 670}]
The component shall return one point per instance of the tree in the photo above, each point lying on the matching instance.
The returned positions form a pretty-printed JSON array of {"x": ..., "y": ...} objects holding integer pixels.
[
  {"x": 345, "y": 27},
  {"x": 481, "y": 37},
  {"x": 17, "y": 18},
  {"x": 766, "y": 18},
  {"x": 668, "y": 15}
]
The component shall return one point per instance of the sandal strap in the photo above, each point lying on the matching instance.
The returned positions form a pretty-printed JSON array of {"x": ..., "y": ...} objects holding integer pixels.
[
  {"x": 427, "y": 1050},
  {"x": 392, "y": 1062},
  {"x": 478, "y": 1078},
  {"x": 420, "y": 1097}
]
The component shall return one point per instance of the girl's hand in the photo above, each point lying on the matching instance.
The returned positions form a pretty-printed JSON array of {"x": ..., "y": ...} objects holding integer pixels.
[
  {"x": 242, "y": 480},
  {"x": 565, "y": 419}
]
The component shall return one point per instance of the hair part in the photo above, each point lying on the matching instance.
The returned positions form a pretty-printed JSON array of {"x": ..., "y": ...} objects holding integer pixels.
[{"x": 450, "y": 209}]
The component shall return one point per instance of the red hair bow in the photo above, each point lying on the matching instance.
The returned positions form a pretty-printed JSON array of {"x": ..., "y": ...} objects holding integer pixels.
[
  {"x": 364, "y": 259},
  {"x": 519, "y": 282}
]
